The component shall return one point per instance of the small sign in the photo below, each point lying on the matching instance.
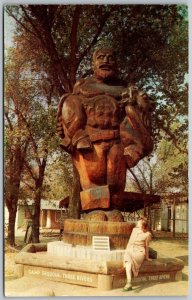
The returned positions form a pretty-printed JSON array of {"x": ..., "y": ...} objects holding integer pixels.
[{"x": 101, "y": 243}]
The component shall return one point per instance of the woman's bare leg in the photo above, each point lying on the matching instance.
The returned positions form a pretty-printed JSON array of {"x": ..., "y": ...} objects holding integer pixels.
[{"x": 129, "y": 274}]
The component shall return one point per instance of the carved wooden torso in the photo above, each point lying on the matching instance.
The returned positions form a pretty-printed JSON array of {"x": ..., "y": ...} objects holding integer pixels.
[{"x": 90, "y": 87}]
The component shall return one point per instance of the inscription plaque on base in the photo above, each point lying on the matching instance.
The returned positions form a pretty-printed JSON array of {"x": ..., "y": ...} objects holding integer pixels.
[{"x": 80, "y": 278}]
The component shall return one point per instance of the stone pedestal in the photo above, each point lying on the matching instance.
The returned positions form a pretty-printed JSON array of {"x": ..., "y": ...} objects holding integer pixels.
[
  {"x": 75, "y": 261},
  {"x": 104, "y": 272},
  {"x": 19, "y": 270}
]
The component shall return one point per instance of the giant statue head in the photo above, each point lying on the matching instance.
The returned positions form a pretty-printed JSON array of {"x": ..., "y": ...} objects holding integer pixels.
[{"x": 104, "y": 64}]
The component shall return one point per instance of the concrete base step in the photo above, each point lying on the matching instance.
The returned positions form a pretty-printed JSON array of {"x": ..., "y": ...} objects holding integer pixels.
[{"x": 104, "y": 275}]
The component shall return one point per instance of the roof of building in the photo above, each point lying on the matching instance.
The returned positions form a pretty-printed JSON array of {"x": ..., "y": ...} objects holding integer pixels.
[
  {"x": 135, "y": 201},
  {"x": 45, "y": 204}
]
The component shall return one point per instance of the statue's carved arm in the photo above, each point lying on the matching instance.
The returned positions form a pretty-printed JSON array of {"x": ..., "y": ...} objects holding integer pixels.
[{"x": 136, "y": 127}]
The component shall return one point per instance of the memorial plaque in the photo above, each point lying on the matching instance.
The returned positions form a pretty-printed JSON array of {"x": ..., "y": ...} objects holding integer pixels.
[
  {"x": 66, "y": 276},
  {"x": 120, "y": 280}
]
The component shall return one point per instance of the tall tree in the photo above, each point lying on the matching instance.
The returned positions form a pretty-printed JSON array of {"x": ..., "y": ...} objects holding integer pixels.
[
  {"x": 40, "y": 125},
  {"x": 30, "y": 132},
  {"x": 17, "y": 141}
]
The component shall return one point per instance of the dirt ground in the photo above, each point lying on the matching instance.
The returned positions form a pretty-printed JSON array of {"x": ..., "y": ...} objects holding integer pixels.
[{"x": 165, "y": 248}]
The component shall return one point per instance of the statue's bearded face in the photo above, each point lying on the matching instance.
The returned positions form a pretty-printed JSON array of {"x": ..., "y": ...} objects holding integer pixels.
[{"x": 104, "y": 64}]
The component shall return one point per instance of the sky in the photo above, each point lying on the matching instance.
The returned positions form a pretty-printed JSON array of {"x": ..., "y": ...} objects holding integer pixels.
[{"x": 9, "y": 27}]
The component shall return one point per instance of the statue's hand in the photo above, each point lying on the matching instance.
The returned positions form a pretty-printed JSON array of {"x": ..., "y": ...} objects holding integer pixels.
[
  {"x": 144, "y": 102},
  {"x": 133, "y": 96},
  {"x": 129, "y": 95}
]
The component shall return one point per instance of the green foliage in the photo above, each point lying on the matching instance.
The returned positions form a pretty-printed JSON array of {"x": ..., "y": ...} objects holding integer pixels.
[
  {"x": 30, "y": 117},
  {"x": 58, "y": 177},
  {"x": 165, "y": 172},
  {"x": 172, "y": 170}
]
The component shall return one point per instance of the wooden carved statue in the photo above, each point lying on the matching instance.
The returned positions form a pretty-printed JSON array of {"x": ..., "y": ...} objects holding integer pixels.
[{"x": 105, "y": 125}]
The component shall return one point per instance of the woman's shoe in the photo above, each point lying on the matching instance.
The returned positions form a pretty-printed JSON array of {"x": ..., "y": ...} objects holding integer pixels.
[{"x": 127, "y": 289}]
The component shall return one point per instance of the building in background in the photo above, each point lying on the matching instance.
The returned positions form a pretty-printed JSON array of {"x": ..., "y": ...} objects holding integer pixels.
[
  {"x": 170, "y": 215},
  {"x": 52, "y": 214}
]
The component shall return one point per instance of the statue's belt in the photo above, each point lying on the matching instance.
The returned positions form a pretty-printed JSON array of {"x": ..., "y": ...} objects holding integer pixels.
[{"x": 104, "y": 135}]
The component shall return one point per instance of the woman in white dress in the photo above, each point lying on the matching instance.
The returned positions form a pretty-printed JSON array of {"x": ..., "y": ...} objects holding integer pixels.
[{"x": 137, "y": 251}]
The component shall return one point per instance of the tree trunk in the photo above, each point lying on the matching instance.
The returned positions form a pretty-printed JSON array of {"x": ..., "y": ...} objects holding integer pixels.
[
  {"x": 36, "y": 216},
  {"x": 11, "y": 225},
  {"x": 74, "y": 204},
  {"x": 12, "y": 189},
  {"x": 37, "y": 198}
]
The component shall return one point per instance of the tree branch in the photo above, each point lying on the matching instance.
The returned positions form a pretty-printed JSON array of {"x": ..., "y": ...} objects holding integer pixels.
[
  {"x": 27, "y": 184},
  {"x": 47, "y": 43},
  {"x": 143, "y": 176},
  {"x": 173, "y": 139},
  {"x": 9, "y": 121},
  {"x": 136, "y": 180},
  {"x": 30, "y": 170},
  {"x": 38, "y": 33},
  {"x": 73, "y": 43},
  {"x": 94, "y": 41},
  {"x": 20, "y": 23},
  {"x": 19, "y": 114},
  {"x": 74, "y": 30}
]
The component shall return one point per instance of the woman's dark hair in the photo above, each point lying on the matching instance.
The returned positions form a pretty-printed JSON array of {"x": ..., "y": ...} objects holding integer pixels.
[{"x": 144, "y": 223}]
